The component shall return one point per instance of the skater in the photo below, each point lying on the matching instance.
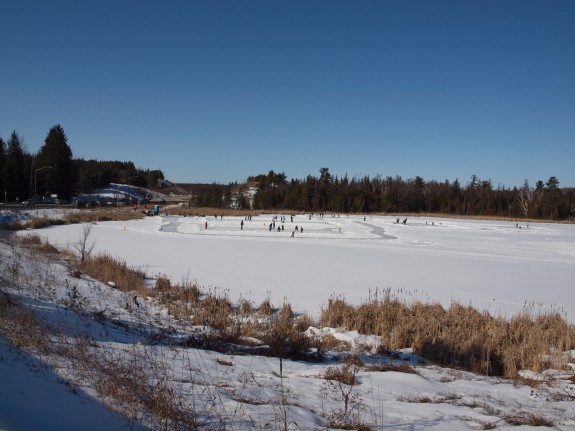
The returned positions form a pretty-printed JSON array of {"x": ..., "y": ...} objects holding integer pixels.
[
  {"x": 301, "y": 229},
  {"x": 405, "y": 221},
  {"x": 206, "y": 225},
  {"x": 292, "y": 233},
  {"x": 242, "y": 225}
]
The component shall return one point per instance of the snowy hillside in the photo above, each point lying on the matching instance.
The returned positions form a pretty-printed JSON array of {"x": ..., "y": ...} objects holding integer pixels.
[{"x": 497, "y": 266}]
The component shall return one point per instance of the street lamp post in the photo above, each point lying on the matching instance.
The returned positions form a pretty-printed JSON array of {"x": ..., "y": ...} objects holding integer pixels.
[{"x": 36, "y": 177}]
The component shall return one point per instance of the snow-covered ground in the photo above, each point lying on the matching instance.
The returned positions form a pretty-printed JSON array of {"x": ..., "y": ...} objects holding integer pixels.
[
  {"x": 493, "y": 265},
  {"x": 496, "y": 266}
]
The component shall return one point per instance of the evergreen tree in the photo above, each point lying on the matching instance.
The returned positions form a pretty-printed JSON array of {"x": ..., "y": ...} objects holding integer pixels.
[
  {"x": 553, "y": 200},
  {"x": 2, "y": 166},
  {"x": 15, "y": 177},
  {"x": 55, "y": 152}
]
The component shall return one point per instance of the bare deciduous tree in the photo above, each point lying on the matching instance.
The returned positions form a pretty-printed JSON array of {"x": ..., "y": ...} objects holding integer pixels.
[
  {"x": 528, "y": 198},
  {"x": 84, "y": 246}
]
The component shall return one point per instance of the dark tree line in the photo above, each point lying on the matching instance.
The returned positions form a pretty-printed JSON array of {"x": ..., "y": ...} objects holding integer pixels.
[
  {"x": 54, "y": 171},
  {"x": 326, "y": 193}
]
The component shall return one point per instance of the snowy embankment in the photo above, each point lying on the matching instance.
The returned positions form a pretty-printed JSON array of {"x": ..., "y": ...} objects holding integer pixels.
[{"x": 494, "y": 265}]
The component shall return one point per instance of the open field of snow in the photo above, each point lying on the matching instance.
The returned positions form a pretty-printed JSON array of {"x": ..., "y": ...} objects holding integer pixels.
[{"x": 494, "y": 265}]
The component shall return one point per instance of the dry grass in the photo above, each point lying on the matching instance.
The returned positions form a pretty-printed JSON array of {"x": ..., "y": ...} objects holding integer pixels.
[
  {"x": 330, "y": 343},
  {"x": 460, "y": 336},
  {"x": 132, "y": 383},
  {"x": 528, "y": 419},
  {"x": 19, "y": 326},
  {"x": 214, "y": 310},
  {"x": 106, "y": 269},
  {"x": 103, "y": 214},
  {"x": 265, "y": 308},
  {"x": 36, "y": 242},
  {"x": 401, "y": 368},
  {"x": 180, "y": 299},
  {"x": 41, "y": 222}
]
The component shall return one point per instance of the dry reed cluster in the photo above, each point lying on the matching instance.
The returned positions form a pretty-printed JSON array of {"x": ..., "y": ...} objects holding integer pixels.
[{"x": 460, "y": 336}]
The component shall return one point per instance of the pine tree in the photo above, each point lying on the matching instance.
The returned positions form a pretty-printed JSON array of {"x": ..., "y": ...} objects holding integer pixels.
[
  {"x": 16, "y": 180},
  {"x": 57, "y": 154},
  {"x": 2, "y": 167}
]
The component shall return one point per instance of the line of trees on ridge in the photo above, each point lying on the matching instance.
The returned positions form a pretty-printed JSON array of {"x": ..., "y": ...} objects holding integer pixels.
[{"x": 327, "y": 193}]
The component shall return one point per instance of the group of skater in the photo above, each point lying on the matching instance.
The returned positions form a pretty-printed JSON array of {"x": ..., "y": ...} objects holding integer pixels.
[{"x": 276, "y": 225}]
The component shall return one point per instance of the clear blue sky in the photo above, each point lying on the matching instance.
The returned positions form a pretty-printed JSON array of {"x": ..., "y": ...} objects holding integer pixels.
[{"x": 220, "y": 90}]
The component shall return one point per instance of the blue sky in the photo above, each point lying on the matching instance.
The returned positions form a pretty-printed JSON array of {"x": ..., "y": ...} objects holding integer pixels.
[{"x": 215, "y": 91}]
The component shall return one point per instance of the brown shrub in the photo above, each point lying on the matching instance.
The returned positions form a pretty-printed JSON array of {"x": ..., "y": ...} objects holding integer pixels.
[
  {"x": 245, "y": 307},
  {"x": 283, "y": 338},
  {"x": 266, "y": 308},
  {"x": 347, "y": 373},
  {"x": 329, "y": 342},
  {"x": 163, "y": 283},
  {"x": 213, "y": 310}
]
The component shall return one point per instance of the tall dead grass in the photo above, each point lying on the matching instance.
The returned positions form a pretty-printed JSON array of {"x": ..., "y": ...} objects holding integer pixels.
[
  {"x": 460, "y": 336},
  {"x": 108, "y": 269}
]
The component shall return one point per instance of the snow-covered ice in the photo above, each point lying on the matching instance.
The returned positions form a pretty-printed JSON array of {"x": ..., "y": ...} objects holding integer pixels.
[{"x": 492, "y": 265}]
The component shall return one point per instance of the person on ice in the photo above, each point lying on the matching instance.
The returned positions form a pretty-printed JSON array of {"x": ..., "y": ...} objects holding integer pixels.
[{"x": 242, "y": 225}]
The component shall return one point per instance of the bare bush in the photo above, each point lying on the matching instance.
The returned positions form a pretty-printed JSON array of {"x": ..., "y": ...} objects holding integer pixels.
[{"x": 340, "y": 383}]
